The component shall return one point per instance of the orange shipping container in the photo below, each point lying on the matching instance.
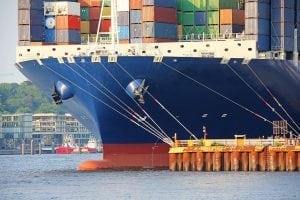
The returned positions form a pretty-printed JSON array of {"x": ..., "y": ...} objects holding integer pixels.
[
  {"x": 95, "y": 3},
  {"x": 67, "y": 22},
  {"x": 159, "y": 14},
  {"x": 232, "y": 16},
  {"x": 135, "y": 5},
  {"x": 90, "y": 3}
]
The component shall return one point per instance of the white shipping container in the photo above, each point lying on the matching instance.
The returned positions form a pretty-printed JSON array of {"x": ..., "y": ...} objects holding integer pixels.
[
  {"x": 122, "y": 5},
  {"x": 62, "y": 8},
  {"x": 24, "y": 32},
  {"x": 49, "y": 8}
]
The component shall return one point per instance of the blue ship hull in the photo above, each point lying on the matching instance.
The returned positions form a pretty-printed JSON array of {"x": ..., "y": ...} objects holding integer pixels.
[{"x": 225, "y": 98}]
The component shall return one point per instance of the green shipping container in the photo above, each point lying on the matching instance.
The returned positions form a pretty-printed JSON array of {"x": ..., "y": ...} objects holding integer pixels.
[
  {"x": 212, "y": 5},
  {"x": 179, "y": 4},
  {"x": 187, "y": 30},
  {"x": 212, "y": 17},
  {"x": 213, "y": 29},
  {"x": 191, "y": 5},
  {"x": 84, "y": 13},
  {"x": 200, "y": 5},
  {"x": 179, "y": 17},
  {"x": 200, "y": 30},
  {"x": 230, "y": 4},
  {"x": 187, "y": 5},
  {"x": 188, "y": 18}
]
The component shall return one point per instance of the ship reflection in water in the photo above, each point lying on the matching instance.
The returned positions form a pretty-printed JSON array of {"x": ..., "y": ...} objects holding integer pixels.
[{"x": 50, "y": 176}]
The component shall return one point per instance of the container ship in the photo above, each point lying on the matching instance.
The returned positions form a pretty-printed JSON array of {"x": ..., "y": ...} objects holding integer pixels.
[{"x": 139, "y": 72}]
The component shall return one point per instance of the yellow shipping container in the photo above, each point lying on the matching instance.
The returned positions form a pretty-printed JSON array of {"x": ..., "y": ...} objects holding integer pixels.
[
  {"x": 85, "y": 26},
  {"x": 106, "y": 11}
]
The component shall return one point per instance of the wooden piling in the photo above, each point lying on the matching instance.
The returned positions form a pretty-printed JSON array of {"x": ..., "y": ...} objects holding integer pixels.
[
  {"x": 208, "y": 162},
  {"x": 186, "y": 161},
  {"x": 227, "y": 161},
  {"x": 272, "y": 161},
  {"x": 281, "y": 161},
  {"x": 193, "y": 161},
  {"x": 217, "y": 161},
  {"x": 253, "y": 161},
  {"x": 245, "y": 161},
  {"x": 179, "y": 162},
  {"x": 298, "y": 161},
  {"x": 200, "y": 160},
  {"x": 235, "y": 158},
  {"x": 235, "y": 161},
  {"x": 290, "y": 161},
  {"x": 173, "y": 161}
]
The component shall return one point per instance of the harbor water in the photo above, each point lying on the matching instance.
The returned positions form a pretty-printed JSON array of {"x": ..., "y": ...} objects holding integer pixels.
[{"x": 52, "y": 176}]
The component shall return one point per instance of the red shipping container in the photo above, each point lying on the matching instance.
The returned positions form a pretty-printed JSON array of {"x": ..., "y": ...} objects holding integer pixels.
[
  {"x": 67, "y": 22},
  {"x": 159, "y": 14},
  {"x": 135, "y": 5},
  {"x": 93, "y": 26},
  {"x": 105, "y": 26},
  {"x": 95, "y": 13}
]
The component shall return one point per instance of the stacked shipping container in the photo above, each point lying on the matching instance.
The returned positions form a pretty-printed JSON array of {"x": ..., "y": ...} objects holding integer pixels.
[
  {"x": 271, "y": 23},
  {"x": 159, "y": 20},
  {"x": 282, "y": 25},
  {"x": 257, "y": 22},
  {"x": 62, "y": 22},
  {"x": 135, "y": 19},
  {"x": 198, "y": 17},
  {"x": 123, "y": 20},
  {"x": 30, "y": 20}
]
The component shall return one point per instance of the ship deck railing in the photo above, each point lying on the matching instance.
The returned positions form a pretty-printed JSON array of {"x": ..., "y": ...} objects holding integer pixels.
[
  {"x": 181, "y": 38},
  {"x": 235, "y": 142}
]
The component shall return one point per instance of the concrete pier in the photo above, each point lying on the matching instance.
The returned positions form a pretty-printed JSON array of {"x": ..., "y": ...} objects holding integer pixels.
[{"x": 234, "y": 158}]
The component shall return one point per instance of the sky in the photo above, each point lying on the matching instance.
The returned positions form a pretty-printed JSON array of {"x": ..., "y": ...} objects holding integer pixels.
[{"x": 8, "y": 42}]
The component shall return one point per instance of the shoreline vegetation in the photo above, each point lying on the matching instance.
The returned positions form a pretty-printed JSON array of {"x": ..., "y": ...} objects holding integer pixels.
[{"x": 25, "y": 98}]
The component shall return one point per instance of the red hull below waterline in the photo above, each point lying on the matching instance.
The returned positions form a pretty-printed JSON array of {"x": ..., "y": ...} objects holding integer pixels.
[{"x": 130, "y": 156}]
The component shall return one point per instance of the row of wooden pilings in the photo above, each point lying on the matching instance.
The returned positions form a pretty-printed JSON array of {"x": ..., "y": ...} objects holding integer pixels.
[{"x": 236, "y": 158}]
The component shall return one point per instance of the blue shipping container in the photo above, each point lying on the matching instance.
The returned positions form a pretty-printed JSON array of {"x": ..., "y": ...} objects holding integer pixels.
[
  {"x": 283, "y": 3},
  {"x": 160, "y": 3},
  {"x": 68, "y": 36},
  {"x": 36, "y": 33},
  {"x": 37, "y": 4},
  {"x": 32, "y": 17},
  {"x": 263, "y": 43},
  {"x": 159, "y": 30},
  {"x": 50, "y": 35},
  {"x": 123, "y": 32},
  {"x": 136, "y": 16},
  {"x": 285, "y": 43},
  {"x": 257, "y": 26},
  {"x": 282, "y": 15},
  {"x": 200, "y": 18},
  {"x": 282, "y": 29}
]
